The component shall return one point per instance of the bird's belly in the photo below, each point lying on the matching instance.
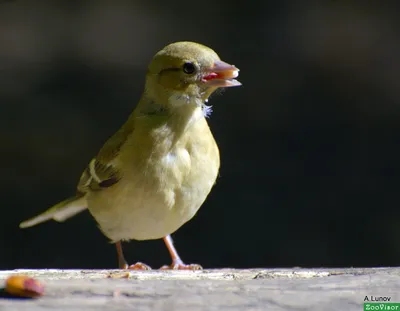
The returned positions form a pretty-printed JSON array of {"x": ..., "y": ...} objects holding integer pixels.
[{"x": 158, "y": 201}]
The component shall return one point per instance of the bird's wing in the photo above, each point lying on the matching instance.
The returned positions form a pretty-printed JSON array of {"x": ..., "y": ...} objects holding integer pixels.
[{"x": 102, "y": 171}]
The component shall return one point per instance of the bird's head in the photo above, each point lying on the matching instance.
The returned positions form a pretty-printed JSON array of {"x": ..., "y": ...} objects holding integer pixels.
[{"x": 186, "y": 72}]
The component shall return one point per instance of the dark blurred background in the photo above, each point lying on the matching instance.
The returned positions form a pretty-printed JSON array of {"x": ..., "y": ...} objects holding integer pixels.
[{"x": 309, "y": 144}]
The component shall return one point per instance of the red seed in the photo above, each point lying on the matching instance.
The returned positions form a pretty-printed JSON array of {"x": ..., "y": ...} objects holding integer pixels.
[
  {"x": 24, "y": 286},
  {"x": 211, "y": 76}
]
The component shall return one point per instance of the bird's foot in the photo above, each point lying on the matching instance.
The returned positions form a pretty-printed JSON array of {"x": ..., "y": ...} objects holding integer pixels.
[
  {"x": 179, "y": 265},
  {"x": 137, "y": 266}
]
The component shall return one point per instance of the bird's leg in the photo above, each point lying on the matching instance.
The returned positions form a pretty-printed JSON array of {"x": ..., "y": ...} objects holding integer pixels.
[
  {"x": 122, "y": 264},
  {"x": 177, "y": 263}
]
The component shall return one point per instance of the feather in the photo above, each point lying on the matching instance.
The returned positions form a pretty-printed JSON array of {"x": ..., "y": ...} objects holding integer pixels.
[{"x": 59, "y": 212}]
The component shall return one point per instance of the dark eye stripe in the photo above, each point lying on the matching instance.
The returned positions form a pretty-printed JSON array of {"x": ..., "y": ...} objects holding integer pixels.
[{"x": 170, "y": 69}]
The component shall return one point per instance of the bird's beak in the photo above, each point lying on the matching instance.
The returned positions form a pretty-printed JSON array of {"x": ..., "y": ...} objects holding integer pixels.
[{"x": 221, "y": 74}]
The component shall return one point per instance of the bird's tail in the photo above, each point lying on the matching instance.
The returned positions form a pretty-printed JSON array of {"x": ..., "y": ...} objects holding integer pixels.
[{"x": 58, "y": 212}]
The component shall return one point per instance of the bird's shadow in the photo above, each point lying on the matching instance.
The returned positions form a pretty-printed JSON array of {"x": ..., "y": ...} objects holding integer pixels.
[{"x": 5, "y": 295}]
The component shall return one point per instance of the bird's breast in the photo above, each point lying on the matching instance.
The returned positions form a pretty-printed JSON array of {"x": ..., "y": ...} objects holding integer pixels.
[{"x": 164, "y": 184}]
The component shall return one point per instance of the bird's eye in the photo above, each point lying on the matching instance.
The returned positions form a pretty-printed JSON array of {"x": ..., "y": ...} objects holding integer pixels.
[{"x": 188, "y": 68}]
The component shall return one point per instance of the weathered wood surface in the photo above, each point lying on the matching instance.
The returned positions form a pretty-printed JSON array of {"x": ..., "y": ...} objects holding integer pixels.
[{"x": 226, "y": 289}]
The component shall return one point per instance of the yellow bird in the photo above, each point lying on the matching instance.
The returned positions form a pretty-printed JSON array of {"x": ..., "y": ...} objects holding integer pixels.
[{"x": 156, "y": 171}]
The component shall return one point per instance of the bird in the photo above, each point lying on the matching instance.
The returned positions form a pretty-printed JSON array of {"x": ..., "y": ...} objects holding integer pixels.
[{"x": 155, "y": 172}]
